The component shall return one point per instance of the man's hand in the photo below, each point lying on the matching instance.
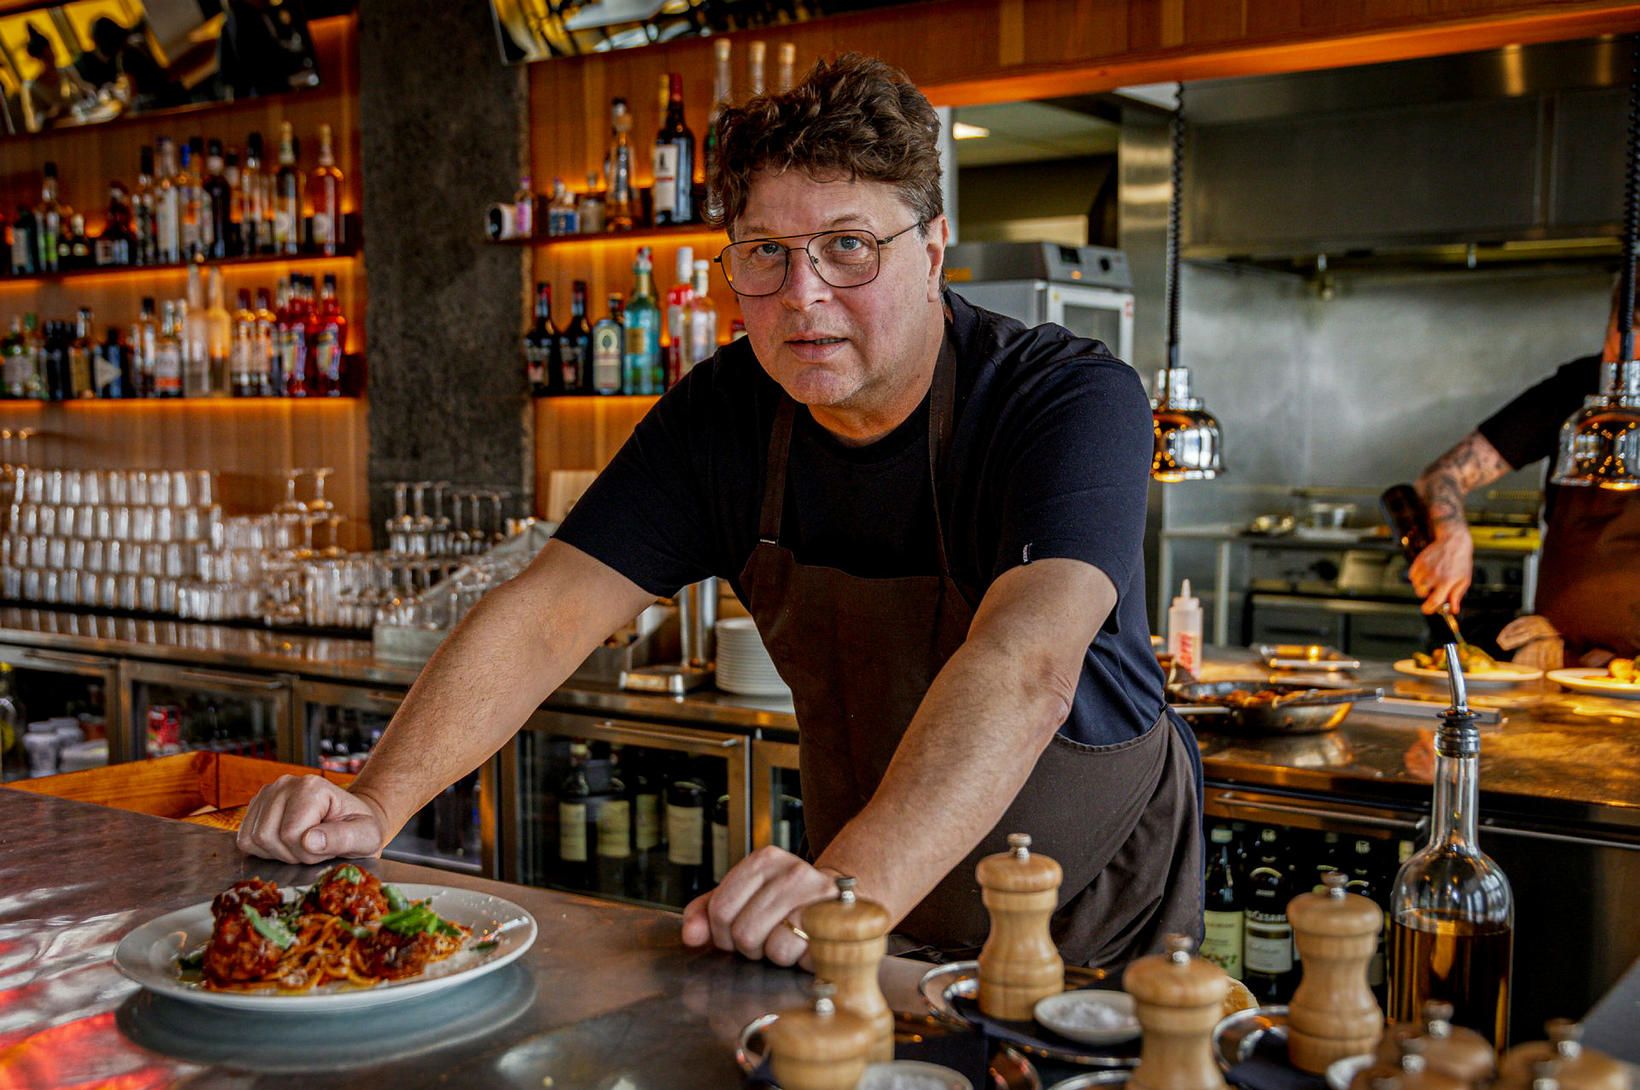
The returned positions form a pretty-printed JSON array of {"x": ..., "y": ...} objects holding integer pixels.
[
  {"x": 306, "y": 819},
  {"x": 1441, "y": 574},
  {"x": 749, "y": 910},
  {"x": 1534, "y": 641}
]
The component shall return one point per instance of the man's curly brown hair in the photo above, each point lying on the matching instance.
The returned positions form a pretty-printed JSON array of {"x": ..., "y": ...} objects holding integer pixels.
[{"x": 853, "y": 118}]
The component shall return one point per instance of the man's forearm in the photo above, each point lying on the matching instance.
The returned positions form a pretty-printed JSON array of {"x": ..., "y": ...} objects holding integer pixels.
[
  {"x": 946, "y": 788},
  {"x": 1471, "y": 464}
]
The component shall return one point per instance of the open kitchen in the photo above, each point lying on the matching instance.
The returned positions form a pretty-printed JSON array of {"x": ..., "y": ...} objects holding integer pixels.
[{"x": 985, "y": 544}]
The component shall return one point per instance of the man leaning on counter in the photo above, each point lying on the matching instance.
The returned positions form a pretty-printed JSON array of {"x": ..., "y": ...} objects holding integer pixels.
[{"x": 935, "y": 516}]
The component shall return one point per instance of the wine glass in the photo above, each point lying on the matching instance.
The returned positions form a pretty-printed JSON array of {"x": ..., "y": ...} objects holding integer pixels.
[
  {"x": 319, "y": 505},
  {"x": 440, "y": 544}
]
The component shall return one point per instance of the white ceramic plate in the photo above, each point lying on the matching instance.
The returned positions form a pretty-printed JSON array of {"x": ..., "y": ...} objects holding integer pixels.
[
  {"x": 911, "y": 1073},
  {"x": 1504, "y": 673},
  {"x": 1074, "y": 1014},
  {"x": 1582, "y": 679},
  {"x": 148, "y": 955},
  {"x": 1341, "y": 1072}
]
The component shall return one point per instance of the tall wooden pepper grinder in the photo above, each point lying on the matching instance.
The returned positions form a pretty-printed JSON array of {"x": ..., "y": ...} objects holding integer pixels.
[
  {"x": 1333, "y": 1013},
  {"x": 847, "y": 940},
  {"x": 1020, "y": 963},
  {"x": 1578, "y": 1068},
  {"x": 818, "y": 1047},
  {"x": 1179, "y": 1000}
]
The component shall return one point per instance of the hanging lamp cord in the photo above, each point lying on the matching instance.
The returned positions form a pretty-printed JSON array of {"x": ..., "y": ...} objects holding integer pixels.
[
  {"x": 1631, "y": 212},
  {"x": 1174, "y": 201}
]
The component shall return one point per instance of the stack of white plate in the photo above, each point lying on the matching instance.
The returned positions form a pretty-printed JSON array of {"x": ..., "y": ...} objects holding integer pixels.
[{"x": 743, "y": 663}]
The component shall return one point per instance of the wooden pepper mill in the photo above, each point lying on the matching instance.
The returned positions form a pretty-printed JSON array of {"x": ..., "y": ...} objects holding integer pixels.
[
  {"x": 1333, "y": 1014},
  {"x": 1020, "y": 963},
  {"x": 847, "y": 940},
  {"x": 1578, "y": 1068},
  {"x": 1411, "y": 1073},
  {"x": 1451, "y": 1050},
  {"x": 818, "y": 1047},
  {"x": 1179, "y": 999}
]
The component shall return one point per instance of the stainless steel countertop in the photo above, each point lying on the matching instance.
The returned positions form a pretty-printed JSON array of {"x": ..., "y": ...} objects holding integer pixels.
[
  {"x": 608, "y": 997},
  {"x": 1559, "y": 756}
]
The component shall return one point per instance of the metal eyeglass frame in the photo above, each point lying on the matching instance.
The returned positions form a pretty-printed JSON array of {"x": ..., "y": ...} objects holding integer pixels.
[{"x": 814, "y": 261}]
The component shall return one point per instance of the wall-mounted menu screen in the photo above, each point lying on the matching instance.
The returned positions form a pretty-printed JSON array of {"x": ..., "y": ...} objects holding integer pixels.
[
  {"x": 89, "y": 61},
  {"x": 538, "y": 30}
]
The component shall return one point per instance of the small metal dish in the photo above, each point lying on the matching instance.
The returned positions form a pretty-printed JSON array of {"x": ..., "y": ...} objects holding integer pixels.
[
  {"x": 1311, "y": 657},
  {"x": 1236, "y": 1037},
  {"x": 1008, "y": 1069},
  {"x": 1093, "y": 1078},
  {"x": 960, "y": 979}
]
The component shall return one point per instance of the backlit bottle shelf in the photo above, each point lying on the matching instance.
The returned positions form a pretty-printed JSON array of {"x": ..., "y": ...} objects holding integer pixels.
[
  {"x": 642, "y": 234},
  {"x": 113, "y": 271}
]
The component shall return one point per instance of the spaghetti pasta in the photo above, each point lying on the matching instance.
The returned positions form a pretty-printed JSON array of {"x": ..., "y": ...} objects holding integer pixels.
[{"x": 346, "y": 929}]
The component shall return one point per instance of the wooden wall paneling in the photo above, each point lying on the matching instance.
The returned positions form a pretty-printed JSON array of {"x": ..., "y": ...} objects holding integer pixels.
[{"x": 581, "y": 433}]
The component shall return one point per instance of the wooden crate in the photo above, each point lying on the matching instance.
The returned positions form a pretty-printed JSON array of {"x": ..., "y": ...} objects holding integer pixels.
[{"x": 204, "y": 788}]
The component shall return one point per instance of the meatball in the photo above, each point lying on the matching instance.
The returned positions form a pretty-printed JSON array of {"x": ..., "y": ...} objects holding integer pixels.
[
  {"x": 237, "y": 952},
  {"x": 394, "y": 956},
  {"x": 350, "y": 892},
  {"x": 262, "y": 896}
]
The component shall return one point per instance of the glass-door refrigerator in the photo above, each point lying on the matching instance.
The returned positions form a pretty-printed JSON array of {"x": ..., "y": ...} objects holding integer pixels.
[
  {"x": 180, "y": 709},
  {"x": 777, "y": 797},
  {"x": 55, "y": 711},
  {"x": 630, "y": 811},
  {"x": 337, "y": 727}
]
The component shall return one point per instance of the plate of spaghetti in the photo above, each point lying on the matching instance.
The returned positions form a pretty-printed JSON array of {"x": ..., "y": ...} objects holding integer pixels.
[{"x": 346, "y": 941}]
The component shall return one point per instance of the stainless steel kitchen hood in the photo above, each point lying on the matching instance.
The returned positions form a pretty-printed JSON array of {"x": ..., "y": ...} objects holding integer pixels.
[{"x": 1509, "y": 155}]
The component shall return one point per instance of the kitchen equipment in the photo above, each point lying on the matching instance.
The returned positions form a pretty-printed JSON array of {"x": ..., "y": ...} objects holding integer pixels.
[
  {"x": 1019, "y": 964},
  {"x": 847, "y": 941},
  {"x": 1323, "y": 515},
  {"x": 1086, "y": 289},
  {"x": 1300, "y": 709},
  {"x": 1301, "y": 656},
  {"x": 743, "y": 663},
  {"x": 949, "y": 988},
  {"x": 697, "y": 635},
  {"x": 1179, "y": 1001},
  {"x": 1238, "y": 1035},
  {"x": 1333, "y": 1014},
  {"x": 1271, "y": 525},
  {"x": 918, "y": 1036},
  {"x": 1092, "y": 1017}
]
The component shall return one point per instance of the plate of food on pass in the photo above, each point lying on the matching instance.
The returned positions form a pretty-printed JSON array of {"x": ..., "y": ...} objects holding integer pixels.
[
  {"x": 1479, "y": 668},
  {"x": 347, "y": 941},
  {"x": 1619, "y": 677}
]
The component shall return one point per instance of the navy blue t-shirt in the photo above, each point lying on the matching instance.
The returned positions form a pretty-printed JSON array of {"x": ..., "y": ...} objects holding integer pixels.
[{"x": 1050, "y": 457}]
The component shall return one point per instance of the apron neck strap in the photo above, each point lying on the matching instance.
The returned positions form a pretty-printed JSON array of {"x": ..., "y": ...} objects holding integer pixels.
[{"x": 941, "y": 410}]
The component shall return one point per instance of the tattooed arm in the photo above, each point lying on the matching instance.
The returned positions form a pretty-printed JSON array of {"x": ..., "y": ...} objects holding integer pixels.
[{"x": 1442, "y": 572}]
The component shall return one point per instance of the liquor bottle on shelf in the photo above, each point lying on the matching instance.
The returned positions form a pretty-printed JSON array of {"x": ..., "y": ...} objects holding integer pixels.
[
  {"x": 246, "y": 368},
  {"x": 81, "y": 383},
  {"x": 589, "y": 210},
  {"x": 167, "y": 206},
  {"x": 574, "y": 844},
  {"x": 15, "y": 366},
  {"x": 644, "y": 787},
  {"x": 235, "y": 244},
  {"x": 253, "y": 239},
  {"x": 524, "y": 208},
  {"x": 287, "y": 195},
  {"x": 1364, "y": 879},
  {"x": 76, "y": 249},
  {"x": 789, "y": 829},
  {"x": 117, "y": 245},
  {"x": 722, "y": 92},
  {"x": 562, "y": 217},
  {"x": 785, "y": 77},
  {"x": 701, "y": 332},
  {"x": 142, "y": 209},
  {"x": 194, "y": 330},
  {"x": 756, "y": 55},
  {"x": 722, "y": 855},
  {"x": 674, "y": 162},
  {"x": 641, "y": 369},
  {"x": 615, "y": 865},
  {"x": 218, "y": 203},
  {"x": 327, "y": 342},
  {"x": 290, "y": 340},
  {"x": 267, "y": 348},
  {"x": 190, "y": 204},
  {"x": 49, "y": 222},
  {"x": 575, "y": 349},
  {"x": 145, "y": 348},
  {"x": 543, "y": 355},
  {"x": 111, "y": 367},
  {"x": 218, "y": 339},
  {"x": 1225, "y": 924},
  {"x": 609, "y": 348},
  {"x": 1267, "y": 936},
  {"x": 1452, "y": 925},
  {"x": 25, "y": 243},
  {"x": 678, "y": 298},
  {"x": 618, "y": 204},
  {"x": 686, "y": 838},
  {"x": 325, "y": 197},
  {"x": 59, "y": 338}
]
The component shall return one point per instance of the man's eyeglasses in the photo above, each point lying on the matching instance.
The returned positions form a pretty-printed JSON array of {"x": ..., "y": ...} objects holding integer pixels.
[{"x": 843, "y": 259}]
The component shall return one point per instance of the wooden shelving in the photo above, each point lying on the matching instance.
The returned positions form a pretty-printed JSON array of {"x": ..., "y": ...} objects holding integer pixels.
[
  {"x": 642, "y": 234},
  {"x": 106, "y": 271}
]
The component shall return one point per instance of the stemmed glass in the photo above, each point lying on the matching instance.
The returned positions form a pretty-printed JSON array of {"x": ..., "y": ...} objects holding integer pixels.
[{"x": 498, "y": 534}]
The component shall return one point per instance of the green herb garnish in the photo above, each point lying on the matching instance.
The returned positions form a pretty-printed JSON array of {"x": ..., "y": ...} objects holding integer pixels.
[
  {"x": 270, "y": 928},
  {"x": 193, "y": 962},
  {"x": 487, "y": 944},
  {"x": 418, "y": 918},
  {"x": 396, "y": 901},
  {"x": 349, "y": 873}
]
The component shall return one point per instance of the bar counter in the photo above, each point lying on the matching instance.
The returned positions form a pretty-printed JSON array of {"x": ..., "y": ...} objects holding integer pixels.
[
  {"x": 1557, "y": 756},
  {"x": 607, "y": 997}
]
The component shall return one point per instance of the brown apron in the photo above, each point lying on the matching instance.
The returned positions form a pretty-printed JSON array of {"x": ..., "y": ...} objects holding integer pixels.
[
  {"x": 1123, "y": 820},
  {"x": 1589, "y": 575}
]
